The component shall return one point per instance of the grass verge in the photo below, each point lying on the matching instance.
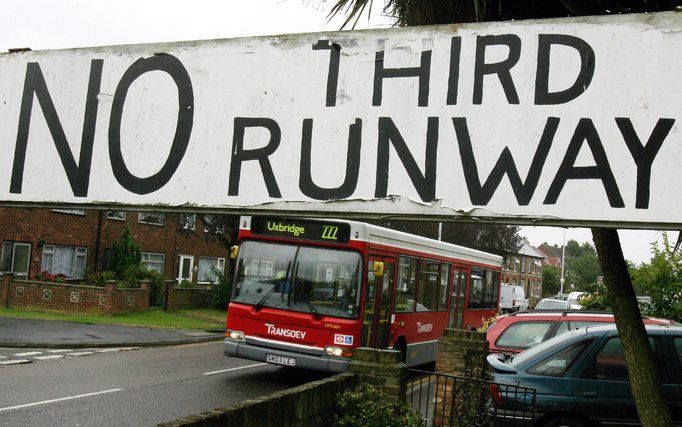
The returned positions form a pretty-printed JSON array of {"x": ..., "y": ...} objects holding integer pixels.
[{"x": 197, "y": 319}]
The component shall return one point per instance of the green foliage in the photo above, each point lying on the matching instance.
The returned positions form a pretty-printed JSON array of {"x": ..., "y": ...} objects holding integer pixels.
[
  {"x": 221, "y": 289},
  {"x": 550, "y": 280},
  {"x": 661, "y": 279},
  {"x": 184, "y": 283},
  {"x": 99, "y": 279},
  {"x": 124, "y": 253},
  {"x": 597, "y": 300},
  {"x": 370, "y": 407}
]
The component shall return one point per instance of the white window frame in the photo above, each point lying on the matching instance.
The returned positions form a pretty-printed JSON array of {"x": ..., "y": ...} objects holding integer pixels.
[
  {"x": 142, "y": 218},
  {"x": 191, "y": 268},
  {"x": 80, "y": 252},
  {"x": 114, "y": 217},
  {"x": 187, "y": 223},
  {"x": 220, "y": 265},
  {"x": 207, "y": 220},
  {"x": 146, "y": 261},
  {"x": 12, "y": 256},
  {"x": 80, "y": 212}
]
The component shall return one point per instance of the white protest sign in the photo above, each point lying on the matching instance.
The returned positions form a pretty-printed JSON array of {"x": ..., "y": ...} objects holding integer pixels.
[{"x": 570, "y": 121}]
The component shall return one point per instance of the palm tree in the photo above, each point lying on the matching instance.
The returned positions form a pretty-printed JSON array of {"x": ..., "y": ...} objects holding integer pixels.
[{"x": 646, "y": 388}]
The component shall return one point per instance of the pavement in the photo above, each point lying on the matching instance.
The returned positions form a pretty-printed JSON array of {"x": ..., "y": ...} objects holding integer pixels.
[{"x": 30, "y": 333}]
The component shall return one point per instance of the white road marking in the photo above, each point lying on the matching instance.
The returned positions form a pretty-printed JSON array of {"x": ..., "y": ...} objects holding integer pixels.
[
  {"x": 28, "y": 353},
  {"x": 61, "y": 399},
  {"x": 80, "y": 353},
  {"x": 50, "y": 357},
  {"x": 60, "y": 350},
  {"x": 3, "y": 357},
  {"x": 236, "y": 369},
  {"x": 14, "y": 361}
]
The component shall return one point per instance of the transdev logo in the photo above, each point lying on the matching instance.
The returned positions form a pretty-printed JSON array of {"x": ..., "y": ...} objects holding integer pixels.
[{"x": 340, "y": 339}]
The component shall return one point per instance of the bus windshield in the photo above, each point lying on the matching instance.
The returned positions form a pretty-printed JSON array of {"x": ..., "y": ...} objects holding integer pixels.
[{"x": 307, "y": 279}]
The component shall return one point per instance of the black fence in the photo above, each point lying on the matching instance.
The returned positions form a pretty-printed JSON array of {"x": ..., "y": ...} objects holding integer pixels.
[{"x": 474, "y": 400}]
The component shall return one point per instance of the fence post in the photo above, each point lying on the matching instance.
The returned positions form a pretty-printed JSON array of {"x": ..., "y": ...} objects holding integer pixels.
[
  {"x": 460, "y": 353},
  {"x": 381, "y": 368}
]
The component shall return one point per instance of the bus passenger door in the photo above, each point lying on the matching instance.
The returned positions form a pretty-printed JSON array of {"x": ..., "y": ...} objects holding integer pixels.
[
  {"x": 457, "y": 300},
  {"x": 376, "y": 320}
]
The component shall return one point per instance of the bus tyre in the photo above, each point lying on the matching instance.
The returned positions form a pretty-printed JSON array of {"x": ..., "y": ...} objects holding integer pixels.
[{"x": 564, "y": 422}]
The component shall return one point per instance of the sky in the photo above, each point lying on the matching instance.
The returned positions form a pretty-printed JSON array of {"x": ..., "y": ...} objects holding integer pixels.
[{"x": 50, "y": 24}]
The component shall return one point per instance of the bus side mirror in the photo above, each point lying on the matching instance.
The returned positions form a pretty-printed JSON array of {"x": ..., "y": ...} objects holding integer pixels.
[
  {"x": 378, "y": 268},
  {"x": 234, "y": 251}
]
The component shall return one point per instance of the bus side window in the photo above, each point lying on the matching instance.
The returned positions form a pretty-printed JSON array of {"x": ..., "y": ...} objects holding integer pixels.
[{"x": 407, "y": 281}]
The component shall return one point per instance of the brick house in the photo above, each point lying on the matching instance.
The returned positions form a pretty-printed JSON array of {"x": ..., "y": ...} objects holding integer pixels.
[
  {"x": 525, "y": 269},
  {"x": 76, "y": 242}
]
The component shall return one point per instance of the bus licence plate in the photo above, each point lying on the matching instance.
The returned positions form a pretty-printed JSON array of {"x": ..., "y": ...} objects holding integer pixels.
[{"x": 280, "y": 360}]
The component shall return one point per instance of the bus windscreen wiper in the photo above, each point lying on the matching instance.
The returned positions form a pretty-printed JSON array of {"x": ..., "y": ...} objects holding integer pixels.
[
  {"x": 313, "y": 310},
  {"x": 261, "y": 302}
]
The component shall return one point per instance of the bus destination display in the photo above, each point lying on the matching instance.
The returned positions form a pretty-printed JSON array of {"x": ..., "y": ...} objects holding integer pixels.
[{"x": 305, "y": 230}]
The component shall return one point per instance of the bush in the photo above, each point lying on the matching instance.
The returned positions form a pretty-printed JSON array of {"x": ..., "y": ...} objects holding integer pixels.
[
  {"x": 99, "y": 279},
  {"x": 124, "y": 253},
  {"x": 596, "y": 301},
  {"x": 370, "y": 407},
  {"x": 221, "y": 289}
]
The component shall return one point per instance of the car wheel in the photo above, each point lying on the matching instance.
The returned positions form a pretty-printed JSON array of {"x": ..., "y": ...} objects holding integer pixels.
[{"x": 564, "y": 422}]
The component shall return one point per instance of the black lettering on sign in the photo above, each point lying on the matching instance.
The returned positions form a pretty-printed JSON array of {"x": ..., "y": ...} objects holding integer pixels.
[
  {"x": 644, "y": 155},
  {"x": 239, "y": 154},
  {"x": 350, "y": 182},
  {"x": 453, "y": 77},
  {"x": 502, "y": 68},
  {"x": 78, "y": 174},
  {"x": 183, "y": 129},
  {"x": 333, "y": 75},
  {"x": 481, "y": 194},
  {"x": 422, "y": 72},
  {"x": 587, "y": 62},
  {"x": 585, "y": 132},
  {"x": 425, "y": 183}
]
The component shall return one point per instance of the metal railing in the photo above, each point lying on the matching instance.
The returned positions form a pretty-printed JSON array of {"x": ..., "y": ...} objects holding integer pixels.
[{"x": 474, "y": 400}]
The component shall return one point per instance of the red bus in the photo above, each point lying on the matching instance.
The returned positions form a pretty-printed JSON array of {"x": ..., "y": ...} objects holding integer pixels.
[{"x": 307, "y": 292}]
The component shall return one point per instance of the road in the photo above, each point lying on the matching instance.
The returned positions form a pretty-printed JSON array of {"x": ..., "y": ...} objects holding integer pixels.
[{"x": 140, "y": 387}]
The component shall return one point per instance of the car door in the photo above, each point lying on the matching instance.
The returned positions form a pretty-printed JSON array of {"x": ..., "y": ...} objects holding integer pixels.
[{"x": 602, "y": 390}]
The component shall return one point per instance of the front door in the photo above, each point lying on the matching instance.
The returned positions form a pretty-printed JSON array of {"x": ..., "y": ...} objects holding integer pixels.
[
  {"x": 376, "y": 320},
  {"x": 186, "y": 268}
]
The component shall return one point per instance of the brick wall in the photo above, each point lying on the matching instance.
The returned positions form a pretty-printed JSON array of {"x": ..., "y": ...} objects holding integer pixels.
[
  {"x": 187, "y": 297},
  {"x": 71, "y": 299},
  {"x": 311, "y": 405}
]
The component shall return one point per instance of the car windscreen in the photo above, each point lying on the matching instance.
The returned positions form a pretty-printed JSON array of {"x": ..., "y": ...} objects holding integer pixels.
[
  {"x": 544, "y": 347},
  {"x": 546, "y": 304},
  {"x": 299, "y": 278}
]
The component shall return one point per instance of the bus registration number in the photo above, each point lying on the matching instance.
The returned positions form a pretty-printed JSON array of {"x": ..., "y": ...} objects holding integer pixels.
[{"x": 280, "y": 360}]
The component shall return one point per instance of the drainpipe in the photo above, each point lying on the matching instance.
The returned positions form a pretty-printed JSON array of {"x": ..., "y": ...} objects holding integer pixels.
[{"x": 98, "y": 240}]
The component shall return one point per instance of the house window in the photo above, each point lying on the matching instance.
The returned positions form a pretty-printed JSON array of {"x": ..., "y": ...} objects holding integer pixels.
[
  {"x": 151, "y": 218},
  {"x": 208, "y": 268},
  {"x": 70, "y": 211},
  {"x": 118, "y": 215},
  {"x": 68, "y": 261},
  {"x": 153, "y": 261},
  {"x": 212, "y": 224},
  {"x": 188, "y": 221},
  {"x": 15, "y": 258}
]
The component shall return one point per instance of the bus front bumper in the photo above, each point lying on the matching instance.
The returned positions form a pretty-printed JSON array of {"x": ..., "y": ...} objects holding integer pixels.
[{"x": 304, "y": 361}]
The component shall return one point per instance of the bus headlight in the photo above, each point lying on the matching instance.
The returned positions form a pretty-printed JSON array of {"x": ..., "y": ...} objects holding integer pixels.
[
  {"x": 236, "y": 335},
  {"x": 338, "y": 351}
]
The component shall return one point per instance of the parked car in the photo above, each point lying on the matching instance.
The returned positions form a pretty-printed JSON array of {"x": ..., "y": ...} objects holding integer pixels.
[
  {"x": 573, "y": 300},
  {"x": 516, "y": 332},
  {"x": 552, "y": 304},
  {"x": 512, "y": 298},
  {"x": 581, "y": 378}
]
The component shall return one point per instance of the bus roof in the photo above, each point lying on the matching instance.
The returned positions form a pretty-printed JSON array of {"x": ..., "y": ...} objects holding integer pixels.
[{"x": 375, "y": 235}]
